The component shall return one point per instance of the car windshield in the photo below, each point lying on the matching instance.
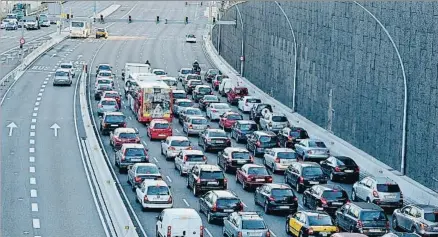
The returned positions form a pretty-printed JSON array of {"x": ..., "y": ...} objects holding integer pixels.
[
  {"x": 111, "y": 95},
  {"x": 234, "y": 117},
  {"x": 115, "y": 118},
  {"x": 263, "y": 106},
  {"x": 193, "y": 112},
  {"x": 300, "y": 134},
  {"x": 240, "y": 155},
  {"x": 66, "y": 66},
  {"x": 186, "y": 71},
  {"x": 104, "y": 67},
  {"x": 242, "y": 91},
  {"x": 221, "y": 106},
  {"x": 210, "y": 98},
  {"x": 320, "y": 220},
  {"x": 195, "y": 83},
  {"x": 192, "y": 77},
  {"x": 135, "y": 152},
  {"x": 77, "y": 24},
  {"x": 279, "y": 119},
  {"x": 105, "y": 74},
  {"x": 161, "y": 125},
  {"x": 253, "y": 225},
  {"x": 213, "y": 72},
  {"x": 265, "y": 139},
  {"x": 281, "y": 192},
  {"x": 248, "y": 127},
  {"x": 217, "y": 134},
  {"x": 147, "y": 170},
  {"x": 195, "y": 158},
  {"x": 287, "y": 155},
  {"x": 212, "y": 175},
  {"x": 159, "y": 73},
  {"x": 180, "y": 143},
  {"x": 106, "y": 86},
  {"x": 258, "y": 171},
  {"x": 205, "y": 89},
  {"x": 228, "y": 202},
  {"x": 179, "y": 95},
  {"x": 61, "y": 74},
  {"x": 158, "y": 190},
  {"x": 431, "y": 216},
  {"x": 103, "y": 81},
  {"x": 372, "y": 216},
  {"x": 199, "y": 121},
  {"x": 312, "y": 171},
  {"x": 108, "y": 102},
  {"x": 191, "y": 36},
  {"x": 317, "y": 144},
  {"x": 128, "y": 135},
  {"x": 101, "y": 30},
  {"x": 219, "y": 78},
  {"x": 388, "y": 188},
  {"x": 253, "y": 100},
  {"x": 185, "y": 104},
  {"x": 345, "y": 162},
  {"x": 334, "y": 195}
]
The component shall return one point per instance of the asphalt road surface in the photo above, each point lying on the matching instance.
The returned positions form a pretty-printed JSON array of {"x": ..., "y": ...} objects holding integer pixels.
[{"x": 44, "y": 188}]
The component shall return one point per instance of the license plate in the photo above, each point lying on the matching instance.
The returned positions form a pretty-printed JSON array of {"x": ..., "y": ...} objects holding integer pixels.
[
  {"x": 435, "y": 228},
  {"x": 348, "y": 171},
  {"x": 324, "y": 233},
  {"x": 228, "y": 210},
  {"x": 219, "y": 141},
  {"x": 114, "y": 125},
  {"x": 313, "y": 182},
  {"x": 283, "y": 207},
  {"x": 374, "y": 230},
  {"x": 241, "y": 161},
  {"x": 254, "y": 234},
  {"x": 197, "y": 127},
  {"x": 337, "y": 203},
  {"x": 161, "y": 135},
  {"x": 389, "y": 196},
  {"x": 212, "y": 183},
  {"x": 135, "y": 160},
  {"x": 260, "y": 180}
]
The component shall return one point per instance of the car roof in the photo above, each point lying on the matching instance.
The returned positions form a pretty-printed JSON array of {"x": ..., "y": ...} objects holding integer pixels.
[
  {"x": 197, "y": 117},
  {"x": 63, "y": 70},
  {"x": 383, "y": 180},
  {"x": 192, "y": 80},
  {"x": 108, "y": 99},
  {"x": 234, "y": 149},
  {"x": 178, "y": 91},
  {"x": 125, "y": 130},
  {"x": 368, "y": 206},
  {"x": 180, "y": 211},
  {"x": 158, "y": 70},
  {"x": 209, "y": 167},
  {"x": 278, "y": 186},
  {"x": 145, "y": 164},
  {"x": 224, "y": 194},
  {"x": 152, "y": 182},
  {"x": 426, "y": 207},
  {"x": 282, "y": 149},
  {"x": 314, "y": 213},
  {"x": 246, "y": 121},
  {"x": 221, "y": 104},
  {"x": 193, "y": 152},
  {"x": 343, "y": 158},
  {"x": 110, "y": 92},
  {"x": 182, "y": 100},
  {"x": 308, "y": 164},
  {"x": 66, "y": 63},
  {"x": 312, "y": 139},
  {"x": 199, "y": 86},
  {"x": 101, "y": 28},
  {"x": 330, "y": 187},
  {"x": 104, "y": 64},
  {"x": 114, "y": 113},
  {"x": 104, "y": 71},
  {"x": 159, "y": 121},
  {"x": 265, "y": 133},
  {"x": 179, "y": 138},
  {"x": 132, "y": 145},
  {"x": 278, "y": 114},
  {"x": 250, "y": 215},
  {"x": 215, "y": 130}
]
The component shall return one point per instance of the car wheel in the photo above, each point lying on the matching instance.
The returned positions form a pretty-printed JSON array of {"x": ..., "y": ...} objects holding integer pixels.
[
  {"x": 301, "y": 234},
  {"x": 353, "y": 196},
  {"x": 287, "y": 228},
  {"x": 413, "y": 230},
  {"x": 368, "y": 200},
  {"x": 133, "y": 186},
  {"x": 225, "y": 168},
  {"x": 273, "y": 168},
  {"x": 174, "y": 164},
  {"x": 266, "y": 208},
  {"x": 244, "y": 185},
  {"x": 236, "y": 178},
  {"x": 255, "y": 200},
  {"x": 332, "y": 176},
  {"x": 205, "y": 148},
  {"x": 195, "y": 191},
  {"x": 298, "y": 188},
  {"x": 286, "y": 179},
  {"x": 305, "y": 201},
  {"x": 156, "y": 232},
  {"x": 162, "y": 153},
  {"x": 180, "y": 172},
  {"x": 394, "y": 223},
  {"x": 209, "y": 220}
]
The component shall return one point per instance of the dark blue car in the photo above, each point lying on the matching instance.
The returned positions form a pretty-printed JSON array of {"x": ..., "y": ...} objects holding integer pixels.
[{"x": 242, "y": 128}]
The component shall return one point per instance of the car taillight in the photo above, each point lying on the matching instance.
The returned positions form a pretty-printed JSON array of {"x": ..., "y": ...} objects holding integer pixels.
[
  {"x": 277, "y": 160},
  {"x": 269, "y": 179},
  {"x": 348, "y": 201},
  {"x": 295, "y": 199},
  {"x": 310, "y": 231},
  {"x": 258, "y": 143},
  {"x": 171, "y": 148},
  {"x": 387, "y": 225},
  {"x": 100, "y": 106},
  {"x": 116, "y": 139},
  {"x": 198, "y": 180},
  {"x": 124, "y": 124},
  {"x": 249, "y": 178},
  {"x": 208, "y": 140},
  {"x": 241, "y": 206},
  {"x": 301, "y": 180},
  {"x": 190, "y": 126},
  {"x": 137, "y": 179},
  {"x": 323, "y": 201},
  {"x": 184, "y": 159},
  {"x": 359, "y": 224},
  {"x": 169, "y": 231},
  {"x": 246, "y": 103},
  {"x": 271, "y": 198},
  {"x": 204, "y": 158},
  {"x": 268, "y": 234},
  {"x": 169, "y": 200},
  {"x": 337, "y": 229},
  {"x": 251, "y": 158},
  {"x": 239, "y": 234},
  {"x": 104, "y": 124},
  {"x": 123, "y": 157},
  {"x": 375, "y": 194},
  {"x": 145, "y": 199},
  {"x": 214, "y": 207},
  {"x": 201, "y": 233},
  {"x": 213, "y": 110},
  {"x": 337, "y": 169},
  {"x": 357, "y": 169}
]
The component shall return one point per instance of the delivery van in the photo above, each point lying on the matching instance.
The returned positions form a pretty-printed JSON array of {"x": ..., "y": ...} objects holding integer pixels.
[{"x": 175, "y": 222}]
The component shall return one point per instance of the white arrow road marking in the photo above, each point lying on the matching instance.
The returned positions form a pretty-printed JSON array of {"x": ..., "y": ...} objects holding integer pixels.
[
  {"x": 55, "y": 128},
  {"x": 11, "y": 127}
]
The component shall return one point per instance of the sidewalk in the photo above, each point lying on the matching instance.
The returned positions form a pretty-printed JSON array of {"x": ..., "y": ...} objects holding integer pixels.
[{"x": 412, "y": 190}]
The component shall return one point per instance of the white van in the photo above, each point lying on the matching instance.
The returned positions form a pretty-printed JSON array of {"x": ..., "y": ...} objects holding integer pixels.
[
  {"x": 226, "y": 85},
  {"x": 175, "y": 222}
]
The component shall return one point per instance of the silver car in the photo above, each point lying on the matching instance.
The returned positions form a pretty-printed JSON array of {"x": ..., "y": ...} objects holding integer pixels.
[
  {"x": 173, "y": 145},
  {"x": 62, "y": 78},
  {"x": 312, "y": 150},
  {"x": 379, "y": 190},
  {"x": 195, "y": 125},
  {"x": 180, "y": 104},
  {"x": 186, "y": 159},
  {"x": 245, "y": 224},
  {"x": 278, "y": 159},
  {"x": 215, "y": 110},
  {"x": 274, "y": 122},
  {"x": 68, "y": 66},
  {"x": 107, "y": 105},
  {"x": 421, "y": 219}
]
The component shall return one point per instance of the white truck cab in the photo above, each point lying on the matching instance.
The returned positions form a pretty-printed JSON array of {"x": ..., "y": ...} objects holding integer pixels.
[
  {"x": 175, "y": 222},
  {"x": 226, "y": 85}
]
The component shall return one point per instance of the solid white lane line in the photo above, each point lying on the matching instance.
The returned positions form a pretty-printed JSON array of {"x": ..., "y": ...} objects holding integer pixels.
[
  {"x": 32, "y": 134},
  {"x": 35, "y": 114},
  {"x": 32, "y": 169},
  {"x": 32, "y": 159},
  {"x": 32, "y": 150},
  {"x": 208, "y": 232},
  {"x": 33, "y": 120},
  {"x": 33, "y": 193},
  {"x": 32, "y": 141},
  {"x": 36, "y": 223},
  {"x": 168, "y": 178},
  {"x": 32, "y": 180},
  {"x": 39, "y": 99},
  {"x": 32, "y": 127},
  {"x": 34, "y": 207},
  {"x": 244, "y": 204},
  {"x": 37, "y": 103},
  {"x": 185, "y": 201}
]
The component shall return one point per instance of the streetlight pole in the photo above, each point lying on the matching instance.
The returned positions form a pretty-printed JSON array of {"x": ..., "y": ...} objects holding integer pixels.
[{"x": 242, "y": 58}]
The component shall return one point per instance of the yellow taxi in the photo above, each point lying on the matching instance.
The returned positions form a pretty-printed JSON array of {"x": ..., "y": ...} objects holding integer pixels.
[
  {"x": 101, "y": 32},
  {"x": 310, "y": 223}
]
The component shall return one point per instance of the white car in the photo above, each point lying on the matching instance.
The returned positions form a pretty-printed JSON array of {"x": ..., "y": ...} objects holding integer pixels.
[
  {"x": 173, "y": 145},
  {"x": 186, "y": 159},
  {"x": 215, "y": 110},
  {"x": 70, "y": 67},
  {"x": 105, "y": 74},
  {"x": 183, "y": 72},
  {"x": 179, "y": 222},
  {"x": 159, "y": 72},
  {"x": 191, "y": 38},
  {"x": 171, "y": 82},
  {"x": 4, "y": 23},
  {"x": 278, "y": 159},
  {"x": 154, "y": 194},
  {"x": 246, "y": 103},
  {"x": 139, "y": 172}
]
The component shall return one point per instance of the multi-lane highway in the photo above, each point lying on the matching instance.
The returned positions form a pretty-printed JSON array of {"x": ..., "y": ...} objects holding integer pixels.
[{"x": 44, "y": 187}]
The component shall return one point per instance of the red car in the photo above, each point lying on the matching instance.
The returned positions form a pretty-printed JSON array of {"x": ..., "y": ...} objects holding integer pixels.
[
  {"x": 236, "y": 93},
  {"x": 251, "y": 176},
  {"x": 115, "y": 95},
  {"x": 121, "y": 136},
  {"x": 159, "y": 129},
  {"x": 228, "y": 119}
]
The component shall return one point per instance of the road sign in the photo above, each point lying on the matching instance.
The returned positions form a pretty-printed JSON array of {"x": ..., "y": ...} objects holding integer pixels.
[{"x": 22, "y": 41}]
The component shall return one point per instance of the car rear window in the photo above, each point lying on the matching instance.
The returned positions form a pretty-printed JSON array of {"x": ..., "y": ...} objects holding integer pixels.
[
  {"x": 238, "y": 155},
  {"x": 66, "y": 66},
  {"x": 193, "y": 112},
  {"x": 127, "y": 135},
  {"x": 161, "y": 126},
  {"x": 257, "y": 171},
  {"x": 261, "y": 107},
  {"x": 205, "y": 89},
  {"x": 103, "y": 81},
  {"x": 228, "y": 202},
  {"x": 320, "y": 220},
  {"x": 115, "y": 118},
  {"x": 159, "y": 73},
  {"x": 212, "y": 174},
  {"x": 248, "y": 127},
  {"x": 195, "y": 158},
  {"x": 210, "y": 98},
  {"x": 279, "y": 119},
  {"x": 334, "y": 194},
  {"x": 287, "y": 155},
  {"x": 185, "y": 104},
  {"x": 317, "y": 144},
  {"x": 221, "y": 106},
  {"x": 300, "y": 134},
  {"x": 254, "y": 101},
  {"x": 253, "y": 225},
  {"x": 312, "y": 171},
  {"x": 372, "y": 216},
  {"x": 431, "y": 216},
  {"x": 180, "y": 143},
  {"x": 213, "y": 72},
  {"x": 104, "y": 86},
  {"x": 266, "y": 139},
  {"x": 235, "y": 117},
  {"x": 195, "y": 83},
  {"x": 179, "y": 95},
  {"x": 111, "y": 95},
  {"x": 282, "y": 192},
  {"x": 192, "y": 77},
  {"x": 158, "y": 190},
  {"x": 388, "y": 188},
  {"x": 217, "y": 134},
  {"x": 242, "y": 91},
  {"x": 108, "y": 102},
  {"x": 345, "y": 162},
  {"x": 186, "y": 71},
  {"x": 147, "y": 170},
  {"x": 61, "y": 74},
  {"x": 135, "y": 152},
  {"x": 199, "y": 121},
  {"x": 105, "y": 74}
]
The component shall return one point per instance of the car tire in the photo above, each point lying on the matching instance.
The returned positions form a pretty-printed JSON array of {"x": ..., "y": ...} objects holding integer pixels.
[
  {"x": 209, "y": 219},
  {"x": 187, "y": 183},
  {"x": 286, "y": 179},
  {"x": 266, "y": 208},
  {"x": 162, "y": 153},
  {"x": 368, "y": 200},
  {"x": 353, "y": 196},
  {"x": 195, "y": 191},
  {"x": 225, "y": 168},
  {"x": 180, "y": 172},
  {"x": 287, "y": 228},
  {"x": 305, "y": 204},
  {"x": 273, "y": 168},
  {"x": 174, "y": 166},
  {"x": 120, "y": 170},
  {"x": 237, "y": 179},
  {"x": 301, "y": 234},
  {"x": 332, "y": 177},
  {"x": 244, "y": 187},
  {"x": 413, "y": 230},
  {"x": 205, "y": 148},
  {"x": 133, "y": 187},
  {"x": 298, "y": 188},
  {"x": 394, "y": 223}
]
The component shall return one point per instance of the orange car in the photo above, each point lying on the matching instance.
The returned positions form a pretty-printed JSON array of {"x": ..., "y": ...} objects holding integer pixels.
[{"x": 159, "y": 129}]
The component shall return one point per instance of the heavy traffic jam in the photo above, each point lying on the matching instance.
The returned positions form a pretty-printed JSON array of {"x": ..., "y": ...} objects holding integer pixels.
[{"x": 376, "y": 206}]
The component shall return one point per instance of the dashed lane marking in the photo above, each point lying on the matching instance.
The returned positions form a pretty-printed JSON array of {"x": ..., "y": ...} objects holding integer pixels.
[
  {"x": 41, "y": 90},
  {"x": 32, "y": 180},
  {"x": 32, "y": 169},
  {"x": 32, "y": 127},
  {"x": 185, "y": 201},
  {"x": 40, "y": 94},
  {"x": 244, "y": 204},
  {"x": 34, "y": 120},
  {"x": 36, "y": 109},
  {"x": 34, "y": 207},
  {"x": 37, "y": 103},
  {"x": 35, "y": 114},
  {"x": 155, "y": 159},
  {"x": 32, "y": 150},
  {"x": 36, "y": 223},
  {"x": 32, "y": 142},
  {"x": 208, "y": 232},
  {"x": 39, "y": 99},
  {"x": 32, "y": 159},
  {"x": 32, "y": 134},
  {"x": 33, "y": 193}
]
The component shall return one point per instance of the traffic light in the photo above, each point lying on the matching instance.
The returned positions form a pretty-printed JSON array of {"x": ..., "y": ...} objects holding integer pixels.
[
  {"x": 101, "y": 18},
  {"x": 187, "y": 20},
  {"x": 158, "y": 19},
  {"x": 129, "y": 19},
  {"x": 214, "y": 20},
  {"x": 68, "y": 16},
  {"x": 71, "y": 16},
  {"x": 21, "y": 46}
]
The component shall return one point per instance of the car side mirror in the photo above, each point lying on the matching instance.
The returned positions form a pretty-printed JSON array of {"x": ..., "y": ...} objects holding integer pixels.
[
  {"x": 169, "y": 186},
  {"x": 129, "y": 167},
  {"x": 162, "y": 141},
  {"x": 147, "y": 149},
  {"x": 219, "y": 153},
  {"x": 157, "y": 217},
  {"x": 322, "y": 162}
]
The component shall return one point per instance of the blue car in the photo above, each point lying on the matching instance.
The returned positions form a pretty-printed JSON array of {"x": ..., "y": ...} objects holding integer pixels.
[{"x": 242, "y": 128}]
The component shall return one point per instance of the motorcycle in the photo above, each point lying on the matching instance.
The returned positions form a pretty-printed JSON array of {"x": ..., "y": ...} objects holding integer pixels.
[{"x": 196, "y": 70}]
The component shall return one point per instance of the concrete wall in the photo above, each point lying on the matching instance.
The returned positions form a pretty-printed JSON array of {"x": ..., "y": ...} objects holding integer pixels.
[{"x": 341, "y": 47}]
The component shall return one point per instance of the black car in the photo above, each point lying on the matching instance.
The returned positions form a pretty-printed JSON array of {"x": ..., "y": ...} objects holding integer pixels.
[
  {"x": 288, "y": 137},
  {"x": 276, "y": 198},
  {"x": 201, "y": 92},
  {"x": 206, "y": 100},
  {"x": 233, "y": 158},
  {"x": 362, "y": 217},
  {"x": 214, "y": 139},
  {"x": 178, "y": 94},
  {"x": 112, "y": 120},
  {"x": 258, "y": 141},
  {"x": 187, "y": 112},
  {"x": 302, "y": 175},
  {"x": 191, "y": 84},
  {"x": 210, "y": 74},
  {"x": 256, "y": 111},
  {"x": 218, "y": 204},
  {"x": 242, "y": 128},
  {"x": 203, "y": 178},
  {"x": 325, "y": 197},
  {"x": 341, "y": 168}
]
